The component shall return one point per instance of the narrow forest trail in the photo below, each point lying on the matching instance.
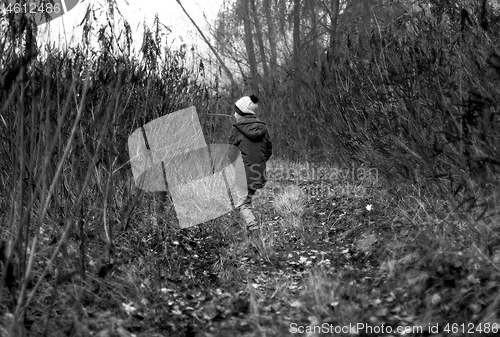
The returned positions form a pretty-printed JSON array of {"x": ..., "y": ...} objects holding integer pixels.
[
  {"x": 341, "y": 256},
  {"x": 324, "y": 273}
]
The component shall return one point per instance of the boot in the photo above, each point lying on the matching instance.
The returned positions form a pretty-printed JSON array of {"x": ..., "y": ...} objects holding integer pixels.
[{"x": 253, "y": 231}]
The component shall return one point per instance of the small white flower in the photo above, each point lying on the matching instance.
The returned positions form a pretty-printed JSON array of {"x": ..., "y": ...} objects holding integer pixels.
[
  {"x": 369, "y": 207},
  {"x": 129, "y": 308}
]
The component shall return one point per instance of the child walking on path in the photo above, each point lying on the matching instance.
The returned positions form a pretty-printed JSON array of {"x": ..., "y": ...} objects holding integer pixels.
[{"x": 252, "y": 138}]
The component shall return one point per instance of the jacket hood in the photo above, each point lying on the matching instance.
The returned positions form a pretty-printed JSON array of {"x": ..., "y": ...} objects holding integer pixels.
[{"x": 252, "y": 128}]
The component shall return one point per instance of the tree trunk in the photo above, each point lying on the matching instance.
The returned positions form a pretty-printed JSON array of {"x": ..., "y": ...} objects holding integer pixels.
[
  {"x": 314, "y": 30},
  {"x": 271, "y": 32},
  {"x": 296, "y": 48},
  {"x": 249, "y": 45},
  {"x": 334, "y": 19},
  {"x": 260, "y": 40},
  {"x": 296, "y": 34}
]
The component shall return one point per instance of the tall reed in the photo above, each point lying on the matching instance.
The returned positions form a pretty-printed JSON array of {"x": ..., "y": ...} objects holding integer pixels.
[{"x": 67, "y": 188}]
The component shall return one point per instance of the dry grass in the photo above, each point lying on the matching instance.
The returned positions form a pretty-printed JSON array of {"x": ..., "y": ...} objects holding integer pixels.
[
  {"x": 290, "y": 204},
  {"x": 65, "y": 119},
  {"x": 322, "y": 288},
  {"x": 422, "y": 108}
]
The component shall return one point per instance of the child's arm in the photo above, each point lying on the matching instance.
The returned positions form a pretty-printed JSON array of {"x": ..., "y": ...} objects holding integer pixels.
[
  {"x": 235, "y": 141},
  {"x": 233, "y": 138},
  {"x": 269, "y": 146}
]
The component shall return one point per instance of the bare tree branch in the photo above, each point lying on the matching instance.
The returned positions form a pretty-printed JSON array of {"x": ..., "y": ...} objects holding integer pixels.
[{"x": 224, "y": 66}]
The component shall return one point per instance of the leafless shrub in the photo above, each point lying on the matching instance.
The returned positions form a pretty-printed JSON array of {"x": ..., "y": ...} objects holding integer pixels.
[{"x": 65, "y": 117}]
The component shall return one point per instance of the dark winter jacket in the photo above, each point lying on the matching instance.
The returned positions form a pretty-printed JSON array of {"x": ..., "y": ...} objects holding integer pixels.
[{"x": 251, "y": 136}]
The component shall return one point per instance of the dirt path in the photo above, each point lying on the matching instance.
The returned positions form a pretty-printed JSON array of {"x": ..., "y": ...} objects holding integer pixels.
[
  {"x": 348, "y": 267},
  {"x": 287, "y": 280}
]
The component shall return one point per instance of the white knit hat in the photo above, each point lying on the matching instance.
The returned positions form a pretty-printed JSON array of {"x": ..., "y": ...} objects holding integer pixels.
[{"x": 246, "y": 105}]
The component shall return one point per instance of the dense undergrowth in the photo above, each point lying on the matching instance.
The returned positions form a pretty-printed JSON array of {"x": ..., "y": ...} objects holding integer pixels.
[
  {"x": 416, "y": 97},
  {"x": 336, "y": 250},
  {"x": 401, "y": 230}
]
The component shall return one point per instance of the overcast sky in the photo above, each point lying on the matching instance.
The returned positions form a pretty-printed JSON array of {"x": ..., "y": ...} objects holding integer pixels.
[{"x": 62, "y": 30}]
